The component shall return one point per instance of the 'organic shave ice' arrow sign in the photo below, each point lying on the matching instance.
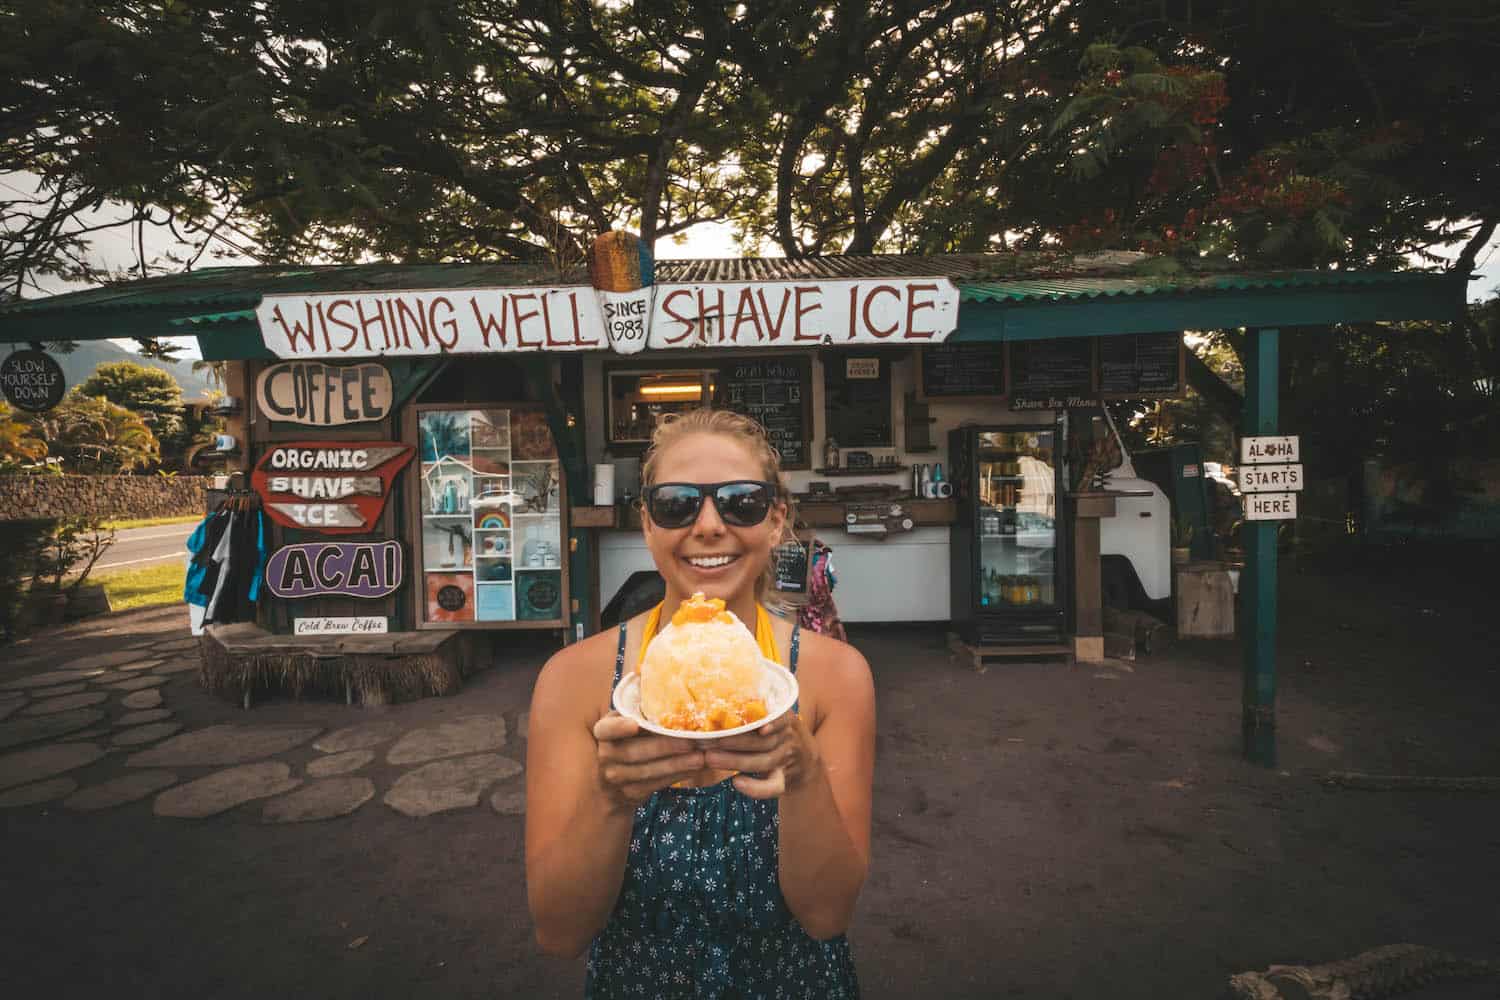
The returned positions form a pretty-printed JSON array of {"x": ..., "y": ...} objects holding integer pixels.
[
  {"x": 317, "y": 569},
  {"x": 333, "y": 487}
]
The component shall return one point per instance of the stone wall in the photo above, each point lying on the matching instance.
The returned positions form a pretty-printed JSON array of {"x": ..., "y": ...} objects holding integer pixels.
[{"x": 26, "y": 497}]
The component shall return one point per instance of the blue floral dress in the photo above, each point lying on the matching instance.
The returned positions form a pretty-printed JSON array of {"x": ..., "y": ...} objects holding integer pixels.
[{"x": 700, "y": 912}]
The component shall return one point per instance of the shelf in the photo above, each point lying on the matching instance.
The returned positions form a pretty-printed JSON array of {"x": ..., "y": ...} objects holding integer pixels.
[
  {"x": 1005, "y": 479},
  {"x": 444, "y": 517},
  {"x": 874, "y": 470},
  {"x": 449, "y": 569}
]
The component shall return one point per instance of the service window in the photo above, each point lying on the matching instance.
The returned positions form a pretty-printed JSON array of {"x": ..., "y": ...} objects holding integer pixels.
[
  {"x": 638, "y": 398},
  {"x": 857, "y": 399},
  {"x": 491, "y": 548}
]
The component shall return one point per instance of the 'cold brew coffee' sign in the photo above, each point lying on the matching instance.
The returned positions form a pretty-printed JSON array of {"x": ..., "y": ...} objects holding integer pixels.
[
  {"x": 32, "y": 380},
  {"x": 319, "y": 395},
  {"x": 318, "y": 569},
  {"x": 337, "y": 488}
]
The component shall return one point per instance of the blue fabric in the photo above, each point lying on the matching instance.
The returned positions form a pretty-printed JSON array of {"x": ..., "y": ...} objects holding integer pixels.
[
  {"x": 260, "y": 555},
  {"x": 196, "y": 572},
  {"x": 700, "y": 912}
]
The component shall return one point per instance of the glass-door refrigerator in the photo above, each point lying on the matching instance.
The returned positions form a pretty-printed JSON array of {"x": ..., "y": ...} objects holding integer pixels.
[{"x": 1008, "y": 565}]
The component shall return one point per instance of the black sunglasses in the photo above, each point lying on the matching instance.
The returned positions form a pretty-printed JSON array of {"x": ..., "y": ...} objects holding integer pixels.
[{"x": 743, "y": 503}]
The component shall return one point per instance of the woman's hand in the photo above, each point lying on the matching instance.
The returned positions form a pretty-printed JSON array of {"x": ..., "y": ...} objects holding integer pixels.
[
  {"x": 632, "y": 765},
  {"x": 783, "y": 752}
]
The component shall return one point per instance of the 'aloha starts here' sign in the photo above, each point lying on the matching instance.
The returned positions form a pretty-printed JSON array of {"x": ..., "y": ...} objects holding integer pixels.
[{"x": 777, "y": 314}]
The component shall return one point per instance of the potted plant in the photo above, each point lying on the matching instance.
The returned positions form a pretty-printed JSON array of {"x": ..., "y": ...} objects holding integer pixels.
[
  {"x": 74, "y": 546},
  {"x": 1182, "y": 539}
]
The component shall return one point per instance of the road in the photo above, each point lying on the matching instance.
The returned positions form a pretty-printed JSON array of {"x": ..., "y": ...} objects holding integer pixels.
[{"x": 143, "y": 546}]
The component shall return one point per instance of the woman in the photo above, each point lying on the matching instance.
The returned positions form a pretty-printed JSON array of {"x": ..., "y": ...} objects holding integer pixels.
[{"x": 725, "y": 868}]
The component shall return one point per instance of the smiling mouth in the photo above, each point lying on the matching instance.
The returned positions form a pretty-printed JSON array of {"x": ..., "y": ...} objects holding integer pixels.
[{"x": 709, "y": 562}]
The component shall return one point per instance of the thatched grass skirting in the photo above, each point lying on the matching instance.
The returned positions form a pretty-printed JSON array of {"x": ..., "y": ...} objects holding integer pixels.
[{"x": 370, "y": 679}]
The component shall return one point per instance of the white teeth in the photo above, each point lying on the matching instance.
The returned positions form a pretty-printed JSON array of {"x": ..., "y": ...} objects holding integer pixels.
[{"x": 710, "y": 562}]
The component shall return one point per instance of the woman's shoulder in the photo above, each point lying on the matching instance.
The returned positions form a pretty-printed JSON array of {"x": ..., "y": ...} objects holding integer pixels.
[{"x": 834, "y": 674}]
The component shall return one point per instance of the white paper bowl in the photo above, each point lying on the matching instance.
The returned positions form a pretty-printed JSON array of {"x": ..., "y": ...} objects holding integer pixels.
[{"x": 778, "y": 691}]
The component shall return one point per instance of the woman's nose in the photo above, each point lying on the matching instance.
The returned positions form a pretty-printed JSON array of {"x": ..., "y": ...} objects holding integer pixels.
[{"x": 708, "y": 522}]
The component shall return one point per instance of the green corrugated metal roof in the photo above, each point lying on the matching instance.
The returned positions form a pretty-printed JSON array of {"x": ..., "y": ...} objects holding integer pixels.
[{"x": 1073, "y": 289}]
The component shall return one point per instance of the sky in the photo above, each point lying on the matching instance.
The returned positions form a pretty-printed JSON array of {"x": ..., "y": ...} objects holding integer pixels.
[{"x": 115, "y": 249}]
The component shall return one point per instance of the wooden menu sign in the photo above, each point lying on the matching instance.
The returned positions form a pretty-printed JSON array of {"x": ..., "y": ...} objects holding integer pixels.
[
  {"x": 1141, "y": 364},
  {"x": 773, "y": 391},
  {"x": 324, "y": 395},
  {"x": 333, "y": 487},
  {"x": 971, "y": 370}
]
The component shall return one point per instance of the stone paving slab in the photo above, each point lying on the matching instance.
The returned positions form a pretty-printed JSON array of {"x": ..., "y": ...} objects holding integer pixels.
[
  {"x": 175, "y": 667},
  {"x": 216, "y": 746},
  {"x": 324, "y": 799},
  {"x": 360, "y": 737},
  {"x": 184, "y": 645},
  {"x": 15, "y": 732},
  {"x": 126, "y": 788},
  {"x": 225, "y": 789},
  {"x": 26, "y": 766},
  {"x": 10, "y": 706},
  {"x": 522, "y": 722},
  {"x": 42, "y": 791},
  {"x": 112, "y": 658},
  {"x": 142, "y": 699},
  {"x": 61, "y": 689},
  {"x": 92, "y": 733},
  {"x": 144, "y": 716},
  {"x": 151, "y": 732},
  {"x": 68, "y": 702},
  {"x": 339, "y": 763},
  {"x": 49, "y": 679},
  {"x": 509, "y": 801},
  {"x": 140, "y": 665},
  {"x": 139, "y": 683},
  {"x": 448, "y": 784},
  {"x": 474, "y": 734}
]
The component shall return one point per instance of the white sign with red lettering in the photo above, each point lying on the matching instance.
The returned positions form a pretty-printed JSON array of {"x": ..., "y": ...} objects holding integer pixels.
[{"x": 890, "y": 311}]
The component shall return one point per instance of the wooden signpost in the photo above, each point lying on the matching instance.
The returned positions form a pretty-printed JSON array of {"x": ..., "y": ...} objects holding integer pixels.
[
  {"x": 1270, "y": 477},
  {"x": 333, "y": 487}
]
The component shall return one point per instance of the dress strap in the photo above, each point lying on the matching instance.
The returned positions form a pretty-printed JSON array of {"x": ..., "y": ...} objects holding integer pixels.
[
  {"x": 619, "y": 659},
  {"x": 792, "y": 659}
]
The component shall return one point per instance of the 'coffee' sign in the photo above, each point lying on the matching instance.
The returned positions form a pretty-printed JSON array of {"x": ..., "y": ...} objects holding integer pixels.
[
  {"x": 319, "y": 569},
  {"x": 320, "y": 395},
  {"x": 336, "y": 488}
]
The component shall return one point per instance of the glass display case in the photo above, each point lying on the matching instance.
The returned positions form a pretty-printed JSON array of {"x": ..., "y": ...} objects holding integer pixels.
[
  {"x": 490, "y": 496},
  {"x": 1007, "y": 583}
]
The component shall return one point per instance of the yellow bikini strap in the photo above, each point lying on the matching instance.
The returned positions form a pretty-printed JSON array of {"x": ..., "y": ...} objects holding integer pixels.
[{"x": 765, "y": 633}]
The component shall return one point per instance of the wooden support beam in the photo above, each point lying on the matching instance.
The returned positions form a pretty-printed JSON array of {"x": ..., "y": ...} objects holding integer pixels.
[{"x": 1262, "y": 381}]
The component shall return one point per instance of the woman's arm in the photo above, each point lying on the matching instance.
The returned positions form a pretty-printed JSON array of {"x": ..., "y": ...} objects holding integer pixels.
[
  {"x": 584, "y": 778},
  {"x": 824, "y": 782}
]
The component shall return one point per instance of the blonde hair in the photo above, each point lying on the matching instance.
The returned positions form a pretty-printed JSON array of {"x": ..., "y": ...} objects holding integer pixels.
[{"x": 675, "y": 426}]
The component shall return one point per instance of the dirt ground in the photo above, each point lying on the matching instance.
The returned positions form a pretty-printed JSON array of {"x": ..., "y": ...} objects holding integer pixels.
[{"x": 1040, "y": 831}]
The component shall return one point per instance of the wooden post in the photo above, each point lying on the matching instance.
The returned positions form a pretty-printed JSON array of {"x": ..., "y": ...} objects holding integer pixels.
[
  {"x": 1088, "y": 602},
  {"x": 1259, "y": 696}
]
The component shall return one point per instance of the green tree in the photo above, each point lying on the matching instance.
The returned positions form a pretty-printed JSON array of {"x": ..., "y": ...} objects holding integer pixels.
[
  {"x": 93, "y": 435},
  {"x": 151, "y": 393},
  {"x": 19, "y": 443}
]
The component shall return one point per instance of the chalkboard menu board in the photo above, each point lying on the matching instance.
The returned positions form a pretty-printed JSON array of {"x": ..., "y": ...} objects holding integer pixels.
[
  {"x": 1142, "y": 364},
  {"x": 791, "y": 561},
  {"x": 1052, "y": 367},
  {"x": 773, "y": 391},
  {"x": 963, "y": 370}
]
